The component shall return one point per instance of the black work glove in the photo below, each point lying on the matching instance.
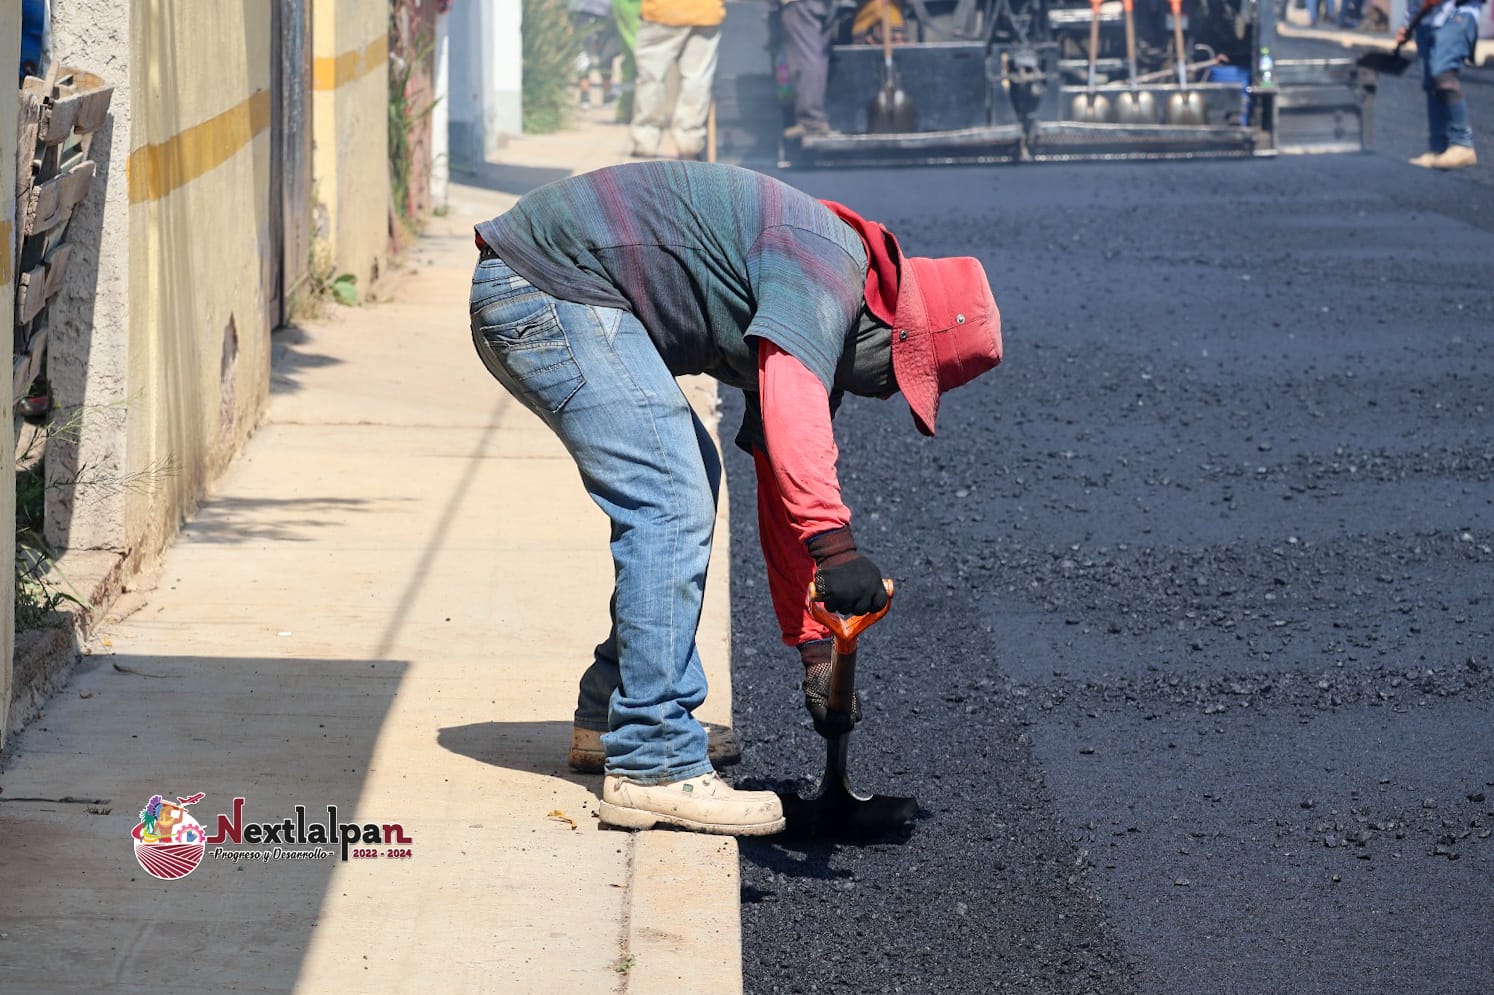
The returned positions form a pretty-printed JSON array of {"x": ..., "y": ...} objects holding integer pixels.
[
  {"x": 847, "y": 582},
  {"x": 816, "y": 658}
]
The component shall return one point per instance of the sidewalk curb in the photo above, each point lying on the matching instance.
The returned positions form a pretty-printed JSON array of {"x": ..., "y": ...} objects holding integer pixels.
[{"x": 684, "y": 928}]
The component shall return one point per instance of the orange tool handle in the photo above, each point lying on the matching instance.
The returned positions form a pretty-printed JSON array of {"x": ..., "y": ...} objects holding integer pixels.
[{"x": 846, "y": 628}]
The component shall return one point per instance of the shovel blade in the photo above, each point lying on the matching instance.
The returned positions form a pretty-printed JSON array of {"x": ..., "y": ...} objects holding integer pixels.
[
  {"x": 1186, "y": 109},
  {"x": 891, "y": 112},
  {"x": 1139, "y": 107},
  {"x": 1386, "y": 63},
  {"x": 835, "y": 812},
  {"x": 1092, "y": 109}
]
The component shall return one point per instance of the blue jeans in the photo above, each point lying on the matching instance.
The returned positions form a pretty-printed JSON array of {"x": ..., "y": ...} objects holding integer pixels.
[
  {"x": 1313, "y": 7},
  {"x": 593, "y": 375},
  {"x": 1444, "y": 49}
]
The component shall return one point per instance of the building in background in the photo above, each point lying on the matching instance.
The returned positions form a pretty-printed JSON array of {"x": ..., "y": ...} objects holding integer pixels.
[{"x": 486, "y": 78}]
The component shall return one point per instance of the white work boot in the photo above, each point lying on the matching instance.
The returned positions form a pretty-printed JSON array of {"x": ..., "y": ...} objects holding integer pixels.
[
  {"x": 1456, "y": 157},
  {"x": 723, "y": 748},
  {"x": 704, "y": 804}
]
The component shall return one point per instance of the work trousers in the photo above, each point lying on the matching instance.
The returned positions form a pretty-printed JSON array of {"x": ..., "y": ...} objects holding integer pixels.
[
  {"x": 693, "y": 50},
  {"x": 806, "y": 48}
]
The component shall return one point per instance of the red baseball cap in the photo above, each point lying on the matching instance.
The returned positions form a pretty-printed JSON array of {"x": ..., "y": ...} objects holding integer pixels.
[{"x": 946, "y": 332}]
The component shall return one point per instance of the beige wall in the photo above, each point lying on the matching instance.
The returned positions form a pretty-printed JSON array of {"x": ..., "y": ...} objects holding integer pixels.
[
  {"x": 10, "y": 35},
  {"x": 160, "y": 339},
  {"x": 200, "y": 248},
  {"x": 163, "y": 354},
  {"x": 350, "y": 118}
]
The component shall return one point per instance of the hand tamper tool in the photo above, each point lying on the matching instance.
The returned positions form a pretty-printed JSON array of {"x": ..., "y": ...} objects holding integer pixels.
[{"x": 835, "y": 811}]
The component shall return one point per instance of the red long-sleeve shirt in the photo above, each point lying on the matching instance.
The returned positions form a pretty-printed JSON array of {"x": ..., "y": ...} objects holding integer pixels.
[{"x": 798, "y": 494}]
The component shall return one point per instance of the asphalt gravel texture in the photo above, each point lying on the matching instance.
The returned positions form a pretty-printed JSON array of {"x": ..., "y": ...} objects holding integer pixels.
[{"x": 1190, "y": 662}]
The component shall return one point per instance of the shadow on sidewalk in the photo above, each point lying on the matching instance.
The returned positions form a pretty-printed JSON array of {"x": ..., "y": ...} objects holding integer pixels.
[
  {"x": 226, "y": 521},
  {"x": 82, "y": 915},
  {"x": 287, "y": 362},
  {"x": 530, "y": 747},
  {"x": 508, "y": 178}
]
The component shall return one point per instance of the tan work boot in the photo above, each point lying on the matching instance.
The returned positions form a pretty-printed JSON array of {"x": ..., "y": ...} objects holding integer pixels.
[
  {"x": 1456, "y": 157},
  {"x": 804, "y": 129},
  {"x": 704, "y": 804},
  {"x": 1425, "y": 160},
  {"x": 723, "y": 748}
]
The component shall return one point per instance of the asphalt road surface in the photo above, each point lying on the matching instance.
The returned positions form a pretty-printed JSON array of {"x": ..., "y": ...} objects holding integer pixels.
[{"x": 1190, "y": 665}]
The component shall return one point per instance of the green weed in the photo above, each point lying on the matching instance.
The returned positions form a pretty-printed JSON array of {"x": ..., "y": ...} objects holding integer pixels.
[{"x": 550, "y": 50}]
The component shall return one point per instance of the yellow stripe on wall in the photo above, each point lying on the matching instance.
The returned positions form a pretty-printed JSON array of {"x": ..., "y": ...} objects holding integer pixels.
[
  {"x": 156, "y": 170},
  {"x": 5, "y": 231},
  {"x": 329, "y": 72}
]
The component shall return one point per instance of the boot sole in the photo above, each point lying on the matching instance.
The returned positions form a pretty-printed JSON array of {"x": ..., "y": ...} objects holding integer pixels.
[{"x": 619, "y": 817}]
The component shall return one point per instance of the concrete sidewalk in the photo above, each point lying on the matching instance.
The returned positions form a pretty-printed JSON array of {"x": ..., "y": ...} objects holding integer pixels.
[{"x": 384, "y": 607}]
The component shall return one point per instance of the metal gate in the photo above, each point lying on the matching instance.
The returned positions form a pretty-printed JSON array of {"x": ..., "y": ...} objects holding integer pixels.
[{"x": 290, "y": 150}]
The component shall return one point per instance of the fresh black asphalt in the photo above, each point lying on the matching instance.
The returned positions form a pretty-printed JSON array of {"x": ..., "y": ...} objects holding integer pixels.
[{"x": 1190, "y": 662}]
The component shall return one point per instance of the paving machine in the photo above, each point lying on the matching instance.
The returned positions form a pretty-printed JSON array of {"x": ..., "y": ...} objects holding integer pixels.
[{"x": 1036, "y": 80}]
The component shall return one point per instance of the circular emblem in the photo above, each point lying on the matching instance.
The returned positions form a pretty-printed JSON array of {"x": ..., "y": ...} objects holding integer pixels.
[{"x": 169, "y": 842}]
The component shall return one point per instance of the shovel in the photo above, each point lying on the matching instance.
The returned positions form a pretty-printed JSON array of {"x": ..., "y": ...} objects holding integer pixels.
[
  {"x": 1137, "y": 106},
  {"x": 835, "y": 811},
  {"x": 1092, "y": 107},
  {"x": 891, "y": 112},
  {"x": 1393, "y": 63},
  {"x": 1183, "y": 107}
]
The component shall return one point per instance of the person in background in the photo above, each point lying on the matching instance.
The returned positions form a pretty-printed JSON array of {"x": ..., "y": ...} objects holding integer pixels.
[
  {"x": 1446, "y": 33},
  {"x": 590, "y": 296},
  {"x": 597, "y": 32},
  {"x": 806, "y": 48},
  {"x": 683, "y": 34},
  {"x": 866, "y": 29},
  {"x": 1316, "y": 7}
]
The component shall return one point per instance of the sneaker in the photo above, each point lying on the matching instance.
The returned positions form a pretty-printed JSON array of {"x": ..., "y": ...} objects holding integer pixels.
[
  {"x": 723, "y": 748},
  {"x": 1425, "y": 160},
  {"x": 1456, "y": 157},
  {"x": 704, "y": 804}
]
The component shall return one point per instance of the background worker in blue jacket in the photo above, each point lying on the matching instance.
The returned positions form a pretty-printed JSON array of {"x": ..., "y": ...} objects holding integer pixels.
[{"x": 1445, "y": 38}]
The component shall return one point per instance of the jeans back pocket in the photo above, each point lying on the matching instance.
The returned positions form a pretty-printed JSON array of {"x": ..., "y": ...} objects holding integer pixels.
[{"x": 522, "y": 343}]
